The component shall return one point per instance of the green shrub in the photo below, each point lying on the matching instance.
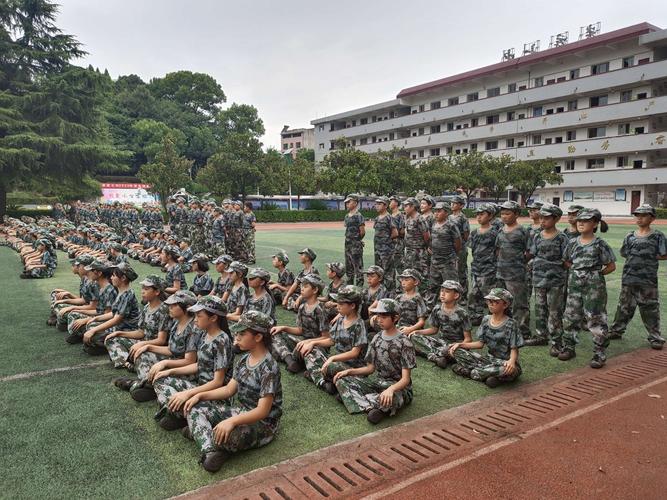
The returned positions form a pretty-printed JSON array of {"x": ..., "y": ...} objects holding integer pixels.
[
  {"x": 316, "y": 205},
  {"x": 17, "y": 213},
  {"x": 305, "y": 215}
]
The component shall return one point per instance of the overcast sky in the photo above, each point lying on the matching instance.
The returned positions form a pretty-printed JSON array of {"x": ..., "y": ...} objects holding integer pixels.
[{"x": 297, "y": 61}]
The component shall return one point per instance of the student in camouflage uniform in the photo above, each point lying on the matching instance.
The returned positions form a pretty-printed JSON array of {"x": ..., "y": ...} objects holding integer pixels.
[
  {"x": 572, "y": 232},
  {"x": 449, "y": 323},
  {"x": 212, "y": 369},
  {"x": 483, "y": 267},
  {"x": 336, "y": 273},
  {"x": 355, "y": 230},
  {"x": 642, "y": 249},
  {"x": 285, "y": 277},
  {"x": 502, "y": 338},
  {"x": 384, "y": 385},
  {"x": 374, "y": 291},
  {"x": 348, "y": 337},
  {"x": 291, "y": 299},
  {"x": 398, "y": 220},
  {"x": 62, "y": 300},
  {"x": 445, "y": 245},
  {"x": 547, "y": 249},
  {"x": 246, "y": 412},
  {"x": 202, "y": 284},
  {"x": 311, "y": 323},
  {"x": 511, "y": 247},
  {"x": 417, "y": 237},
  {"x": 384, "y": 237},
  {"x": 459, "y": 218},
  {"x": 47, "y": 262},
  {"x": 235, "y": 232},
  {"x": 236, "y": 297},
  {"x": 218, "y": 232},
  {"x": 221, "y": 285},
  {"x": 426, "y": 212},
  {"x": 589, "y": 259},
  {"x": 260, "y": 298},
  {"x": 249, "y": 223},
  {"x": 175, "y": 279},
  {"x": 533, "y": 229},
  {"x": 413, "y": 310}
]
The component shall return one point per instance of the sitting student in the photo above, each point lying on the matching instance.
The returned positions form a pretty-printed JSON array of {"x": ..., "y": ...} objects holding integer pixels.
[
  {"x": 211, "y": 370},
  {"x": 62, "y": 299},
  {"x": 115, "y": 253},
  {"x": 175, "y": 279},
  {"x": 413, "y": 309},
  {"x": 348, "y": 337},
  {"x": 311, "y": 323},
  {"x": 153, "y": 328},
  {"x": 384, "y": 385},
  {"x": 236, "y": 295},
  {"x": 449, "y": 322},
  {"x": 335, "y": 272},
  {"x": 222, "y": 283},
  {"x": 202, "y": 283},
  {"x": 501, "y": 335},
  {"x": 179, "y": 351},
  {"x": 45, "y": 267},
  {"x": 245, "y": 413},
  {"x": 285, "y": 277},
  {"x": 375, "y": 291},
  {"x": 186, "y": 254},
  {"x": 291, "y": 299},
  {"x": 124, "y": 314},
  {"x": 260, "y": 298}
]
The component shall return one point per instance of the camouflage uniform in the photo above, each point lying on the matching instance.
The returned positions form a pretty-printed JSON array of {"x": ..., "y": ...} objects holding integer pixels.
[
  {"x": 463, "y": 226},
  {"x": 264, "y": 303},
  {"x": 499, "y": 341},
  {"x": 444, "y": 261},
  {"x": 412, "y": 307},
  {"x": 48, "y": 259},
  {"x": 238, "y": 297},
  {"x": 450, "y": 324},
  {"x": 354, "y": 248},
  {"x": 88, "y": 291},
  {"x": 221, "y": 286},
  {"x": 202, "y": 284},
  {"x": 639, "y": 284},
  {"x": 369, "y": 296},
  {"x": 511, "y": 273},
  {"x": 218, "y": 236},
  {"x": 254, "y": 383},
  {"x": 175, "y": 273},
  {"x": 249, "y": 237},
  {"x": 105, "y": 301},
  {"x": 328, "y": 290},
  {"x": 312, "y": 320},
  {"x": 292, "y": 300},
  {"x": 483, "y": 271},
  {"x": 389, "y": 355},
  {"x": 399, "y": 248},
  {"x": 127, "y": 307},
  {"x": 415, "y": 244},
  {"x": 285, "y": 278},
  {"x": 345, "y": 339},
  {"x": 383, "y": 247}
]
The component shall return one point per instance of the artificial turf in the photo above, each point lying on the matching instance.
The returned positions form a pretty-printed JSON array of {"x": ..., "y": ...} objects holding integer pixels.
[{"x": 72, "y": 434}]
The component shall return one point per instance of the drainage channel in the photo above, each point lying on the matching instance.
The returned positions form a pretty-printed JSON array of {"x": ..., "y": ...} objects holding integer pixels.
[{"x": 352, "y": 468}]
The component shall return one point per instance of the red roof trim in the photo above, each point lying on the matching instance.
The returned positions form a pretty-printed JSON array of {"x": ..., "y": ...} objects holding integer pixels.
[{"x": 613, "y": 36}]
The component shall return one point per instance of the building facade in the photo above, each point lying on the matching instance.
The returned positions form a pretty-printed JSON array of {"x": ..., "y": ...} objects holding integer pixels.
[
  {"x": 291, "y": 141},
  {"x": 597, "y": 107}
]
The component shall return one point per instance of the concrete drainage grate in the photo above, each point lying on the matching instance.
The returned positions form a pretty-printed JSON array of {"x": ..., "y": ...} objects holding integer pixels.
[{"x": 352, "y": 468}]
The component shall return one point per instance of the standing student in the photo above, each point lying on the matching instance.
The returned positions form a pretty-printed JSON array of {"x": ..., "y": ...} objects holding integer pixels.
[
  {"x": 459, "y": 218},
  {"x": 355, "y": 230},
  {"x": 285, "y": 277},
  {"x": 291, "y": 299},
  {"x": 446, "y": 243},
  {"x": 533, "y": 228},
  {"x": 384, "y": 385},
  {"x": 501, "y": 336},
  {"x": 398, "y": 219},
  {"x": 589, "y": 259},
  {"x": 571, "y": 231},
  {"x": 249, "y": 225},
  {"x": 385, "y": 235},
  {"x": 417, "y": 237},
  {"x": 642, "y": 249},
  {"x": 483, "y": 266}
]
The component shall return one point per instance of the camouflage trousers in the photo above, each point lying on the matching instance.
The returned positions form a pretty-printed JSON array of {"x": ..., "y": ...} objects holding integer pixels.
[
  {"x": 206, "y": 415},
  {"x": 483, "y": 366},
  {"x": 397, "y": 258},
  {"x": 431, "y": 347},
  {"x": 283, "y": 345},
  {"x": 415, "y": 258},
  {"x": 71, "y": 318},
  {"x": 386, "y": 262},
  {"x": 529, "y": 277},
  {"x": 315, "y": 360},
  {"x": 119, "y": 349},
  {"x": 586, "y": 299},
  {"x": 439, "y": 272},
  {"x": 481, "y": 286},
  {"x": 198, "y": 239},
  {"x": 166, "y": 387},
  {"x": 549, "y": 307},
  {"x": 362, "y": 394},
  {"x": 249, "y": 246},
  {"x": 41, "y": 273},
  {"x": 354, "y": 262},
  {"x": 463, "y": 274},
  {"x": 144, "y": 363},
  {"x": 646, "y": 297},
  {"x": 520, "y": 304},
  {"x": 278, "y": 296},
  {"x": 217, "y": 248},
  {"x": 61, "y": 317}
]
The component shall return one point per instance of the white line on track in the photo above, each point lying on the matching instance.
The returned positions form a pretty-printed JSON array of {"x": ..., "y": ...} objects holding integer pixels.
[{"x": 41, "y": 373}]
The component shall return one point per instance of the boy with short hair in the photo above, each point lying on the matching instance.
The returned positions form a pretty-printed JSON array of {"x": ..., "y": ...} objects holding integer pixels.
[
  {"x": 292, "y": 298},
  {"x": 285, "y": 277},
  {"x": 483, "y": 267},
  {"x": 355, "y": 230}
]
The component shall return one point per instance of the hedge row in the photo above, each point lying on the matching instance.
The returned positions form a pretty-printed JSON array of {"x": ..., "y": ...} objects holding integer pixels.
[{"x": 305, "y": 215}]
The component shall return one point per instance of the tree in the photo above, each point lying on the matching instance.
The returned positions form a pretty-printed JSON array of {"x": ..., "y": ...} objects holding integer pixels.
[
  {"x": 438, "y": 175},
  {"x": 302, "y": 174},
  {"x": 148, "y": 138},
  {"x": 495, "y": 176},
  {"x": 168, "y": 172},
  {"x": 467, "y": 168},
  {"x": 348, "y": 170},
  {"x": 199, "y": 92},
  {"x": 238, "y": 119},
  {"x": 275, "y": 173},
  {"x": 529, "y": 175},
  {"x": 395, "y": 172}
]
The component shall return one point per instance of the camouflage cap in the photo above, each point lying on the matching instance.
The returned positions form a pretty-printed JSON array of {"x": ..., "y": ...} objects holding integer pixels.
[
  {"x": 237, "y": 202},
  {"x": 395, "y": 198},
  {"x": 227, "y": 259},
  {"x": 82, "y": 260},
  {"x": 411, "y": 201},
  {"x": 336, "y": 267},
  {"x": 185, "y": 239},
  {"x": 154, "y": 281},
  {"x": 535, "y": 204},
  {"x": 452, "y": 285},
  {"x": 98, "y": 265},
  {"x": 172, "y": 250},
  {"x": 183, "y": 297},
  {"x": 510, "y": 205},
  {"x": 126, "y": 270},
  {"x": 309, "y": 252},
  {"x": 442, "y": 205},
  {"x": 115, "y": 246},
  {"x": 499, "y": 294},
  {"x": 238, "y": 267},
  {"x": 313, "y": 280},
  {"x": 457, "y": 198},
  {"x": 347, "y": 294},
  {"x": 210, "y": 303},
  {"x": 428, "y": 199},
  {"x": 351, "y": 197},
  {"x": 382, "y": 199},
  {"x": 282, "y": 257},
  {"x": 486, "y": 207},
  {"x": 252, "y": 320},
  {"x": 644, "y": 209},
  {"x": 386, "y": 306},
  {"x": 573, "y": 209},
  {"x": 375, "y": 270},
  {"x": 226, "y": 201},
  {"x": 549, "y": 210},
  {"x": 258, "y": 272},
  {"x": 589, "y": 214},
  {"x": 411, "y": 273},
  {"x": 197, "y": 257}
]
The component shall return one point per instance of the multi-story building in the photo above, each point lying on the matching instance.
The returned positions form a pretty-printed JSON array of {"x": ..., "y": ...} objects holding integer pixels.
[
  {"x": 597, "y": 106},
  {"x": 293, "y": 140}
]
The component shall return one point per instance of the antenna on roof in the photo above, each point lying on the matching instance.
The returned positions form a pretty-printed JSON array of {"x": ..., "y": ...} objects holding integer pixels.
[
  {"x": 531, "y": 47},
  {"x": 590, "y": 30},
  {"x": 508, "y": 54},
  {"x": 559, "y": 40}
]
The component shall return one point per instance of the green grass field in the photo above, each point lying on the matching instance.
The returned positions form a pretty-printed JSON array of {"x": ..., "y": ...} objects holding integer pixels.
[{"x": 72, "y": 434}]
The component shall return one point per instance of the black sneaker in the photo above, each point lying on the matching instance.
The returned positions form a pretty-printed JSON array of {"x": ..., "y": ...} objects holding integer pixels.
[
  {"x": 73, "y": 339},
  {"x": 187, "y": 433},
  {"x": 375, "y": 416},
  {"x": 441, "y": 362},
  {"x": 62, "y": 327},
  {"x": 492, "y": 382},
  {"x": 656, "y": 345},
  {"x": 94, "y": 350},
  {"x": 293, "y": 366},
  {"x": 124, "y": 383},
  {"x": 213, "y": 460},
  {"x": 328, "y": 387},
  {"x": 535, "y": 341},
  {"x": 143, "y": 394},
  {"x": 597, "y": 361},
  {"x": 461, "y": 370},
  {"x": 614, "y": 336},
  {"x": 554, "y": 350},
  {"x": 567, "y": 354},
  {"x": 53, "y": 319},
  {"x": 171, "y": 422}
]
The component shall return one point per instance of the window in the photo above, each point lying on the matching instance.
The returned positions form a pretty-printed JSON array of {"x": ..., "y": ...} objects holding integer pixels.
[
  {"x": 321, "y": 128},
  {"x": 354, "y": 142},
  {"x": 639, "y": 130},
  {"x": 537, "y": 111},
  {"x": 548, "y": 140},
  {"x": 623, "y": 128},
  {"x": 420, "y": 131},
  {"x": 495, "y": 91},
  {"x": 638, "y": 164},
  {"x": 596, "y": 132},
  {"x": 472, "y": 96},
  {"x": 522, "y": 116},
  {"x": 298, "y": 145},
  {"x": 560, "y": 109},
  {"x": 458, "y": 127},
  {"x": 568, "y": 196},
  {"x": 572, "y": 105},
  {"x": 363, "y": 141},
  {"x": 519, "y": 144},
  {"x": 473, "y": 147},
  {"x": 435, "y": 129},
  {"x": 449, "y": 150},
  {"x": 538, "y": 82},
  {"x": 622, "y": 161},
  {"x": 421, "y": 153},
  {"x": 569, "y": 164},
  {"x": 391, "y": 136},
  {"x": 551, "y": 81},
  {"x": 434, "y": 152},
  {"x": 491, "y": 119},
  {"x": 332, "y": 128},
  {"x": 561, "y": 79},
  {"x": 537, "y": 139},
  {"x": 458, "y": 151},
  {"x": 550, "y": 111},
  {"x": 511, "y": 88},
  {"x": 435, "y": 105},
  {"x": 571, "y": 135},
  {"x": 465, "y": 125},
  {"x": 332, "y": 145},
  {"x": 374, "y": 139},
  {"x": 599, "y": 100},
  {"x": 450, "y": 126},
  {"x": 574, "y": 74},
  {"x": 595, "y": 163},
  {"x": 598, "y": 69},
  {"x": 285, "y": 146},
  {"x": 558, "y": 140},
  {"x": 557, "y": 169},
  {"x": 291, "y": 144},
  {"x": 422, "y": 107},
  {"x": 645, "y": 60},
  {"x": 354, "y": 123},
  {"x": 375, "y": 118},
  {"x": 626, "y": 95},
  {"x": 510, "y": 116},
  {"x": 619, "y": 195},
  {"x": 363, "y": 121},
  {"x": 522, "y": 87},
  {"x": 414, "y": 156},
  {"x": 321, "y": 145},
  {"x": 628, "y": 62},
  {"x": 452, "y": 101},
  {"x": 642, "y": 95},
  {"x": 509, "y": 143},
  {"x": 491, "y": 145}
]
